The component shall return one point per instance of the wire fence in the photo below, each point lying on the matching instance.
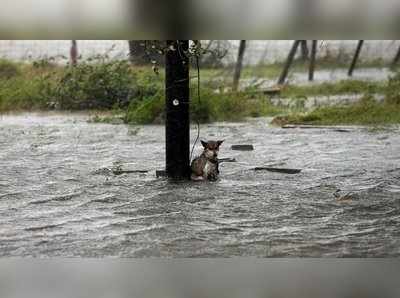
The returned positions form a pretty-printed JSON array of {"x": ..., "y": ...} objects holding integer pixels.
[
  {"x": 257, "y": 51},
  {"x": 271, "y": 51},
  {"x": 30, "y": 50}
]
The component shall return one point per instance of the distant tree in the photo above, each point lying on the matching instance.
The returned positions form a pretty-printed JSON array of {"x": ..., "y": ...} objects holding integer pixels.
[
  {"x": 137, "y": 52},
  {"x": 213, "y": 53},
  {"x": 74, "y": 53},
  {"x": 142, "y": 52}
]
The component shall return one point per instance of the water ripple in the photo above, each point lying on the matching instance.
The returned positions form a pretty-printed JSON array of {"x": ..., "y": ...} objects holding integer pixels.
[{"x": 59, "y": 198}]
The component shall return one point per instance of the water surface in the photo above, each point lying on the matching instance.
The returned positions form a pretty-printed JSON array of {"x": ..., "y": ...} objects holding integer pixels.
[{"x": 59, "y": 198}]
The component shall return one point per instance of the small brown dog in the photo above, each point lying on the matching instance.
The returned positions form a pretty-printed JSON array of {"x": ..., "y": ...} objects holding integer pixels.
[{"x": 205, "y": 167}]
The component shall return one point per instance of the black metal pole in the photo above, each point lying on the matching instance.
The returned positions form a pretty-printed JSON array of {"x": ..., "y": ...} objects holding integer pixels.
[
  {"x": 177, "y": 125},
  {"x": 288, "y": 63},
  {"x": 355, "y": 58},
  {"x": 239, "y": 64},
  {"x": 396, "y": 58},
  {"x": 312, "y": 60}
]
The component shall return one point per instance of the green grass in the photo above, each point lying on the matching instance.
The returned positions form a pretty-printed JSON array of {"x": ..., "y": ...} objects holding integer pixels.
[
  {"x": 342, "y": 87},
  {"x": 210, "y": 108},
  {"x": 8, "y": 69},
  {"x": 26, "y": 86},
  {"x": 273, "y": 70},
  {"x": 231, "y": 106},
  {"x": 365, "y": 112},
  {"x": 19, "y": 93},
  {"x": 136, "y": 94}
]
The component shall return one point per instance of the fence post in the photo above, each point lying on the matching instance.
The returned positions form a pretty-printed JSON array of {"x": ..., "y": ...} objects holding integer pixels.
[
  {"x": 288, "y": 63},
  {"x": 177, "y": 125},
  {"x": 239, "y": 64},
  {"x": 304, "y": 50},
  {"x": 396, "y": 58},
  {"x": 355, "y": 58},
  {"x": 312, "y": 60}
]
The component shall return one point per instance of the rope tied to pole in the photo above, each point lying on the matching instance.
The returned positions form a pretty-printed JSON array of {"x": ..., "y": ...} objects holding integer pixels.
[{"x": 199, "y": 101}]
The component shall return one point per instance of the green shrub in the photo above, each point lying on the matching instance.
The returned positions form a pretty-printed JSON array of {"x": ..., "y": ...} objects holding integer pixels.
[
  {"x": 8, "y": 69},
  {"x": 21, "y": 94},
  {"x": 45, "y": 63},
  {"x": 94, "y": 86}
]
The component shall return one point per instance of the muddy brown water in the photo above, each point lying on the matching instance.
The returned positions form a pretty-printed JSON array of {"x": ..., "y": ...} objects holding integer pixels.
[{"x": 58, "y": 198}]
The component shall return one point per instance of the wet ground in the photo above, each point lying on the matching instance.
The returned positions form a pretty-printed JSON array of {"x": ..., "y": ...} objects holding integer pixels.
[
  {"x": 59, "y": 198},
  {"x": 300, "y": 78},
  {"x": 312, "y": 102}
]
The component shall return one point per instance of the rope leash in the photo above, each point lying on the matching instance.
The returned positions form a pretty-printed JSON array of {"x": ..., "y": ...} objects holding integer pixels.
[{"x": 199, "y": 102}]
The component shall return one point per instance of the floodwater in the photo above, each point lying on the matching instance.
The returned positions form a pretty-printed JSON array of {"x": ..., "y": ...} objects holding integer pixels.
[{"x": 59, "y": 198}]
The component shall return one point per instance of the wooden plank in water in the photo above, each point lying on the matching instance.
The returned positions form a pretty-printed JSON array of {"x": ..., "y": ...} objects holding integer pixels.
[
  {"x": 309, "y": 126},
  {"x": 246, "y": 147},
  {"x": 278, "y": 170},
  {"x": 228, "y": 159},
  {"x": 120, "y": 172}
]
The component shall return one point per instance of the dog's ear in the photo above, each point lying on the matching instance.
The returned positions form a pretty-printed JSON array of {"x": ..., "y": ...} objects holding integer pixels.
[
  {"x": 204, "y": 143},
  {"x": 220, "y": 142}
]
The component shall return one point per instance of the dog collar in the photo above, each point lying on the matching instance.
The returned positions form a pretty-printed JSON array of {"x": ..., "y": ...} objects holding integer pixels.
[{"x": 212, "y": 160}]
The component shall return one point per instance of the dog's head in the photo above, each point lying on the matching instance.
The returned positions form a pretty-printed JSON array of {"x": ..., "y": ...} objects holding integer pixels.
[{"x": 211, "y": 149}]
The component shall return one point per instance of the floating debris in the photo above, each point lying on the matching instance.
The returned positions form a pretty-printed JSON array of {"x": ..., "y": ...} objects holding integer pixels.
[
  {"x": 347, "y": 197},
  {"x": 228, "y": 159},
  {"x": 305, "y": 126},
  {"x": 242, "y": 147},
  {"x": 278, "y": 170},
  {"x": 117, "y": 171},
  {"x": 120, "y": 171}
]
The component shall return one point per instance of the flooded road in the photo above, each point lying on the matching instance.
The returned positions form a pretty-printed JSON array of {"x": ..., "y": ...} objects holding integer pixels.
[{"x": 59, "y": 198}]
